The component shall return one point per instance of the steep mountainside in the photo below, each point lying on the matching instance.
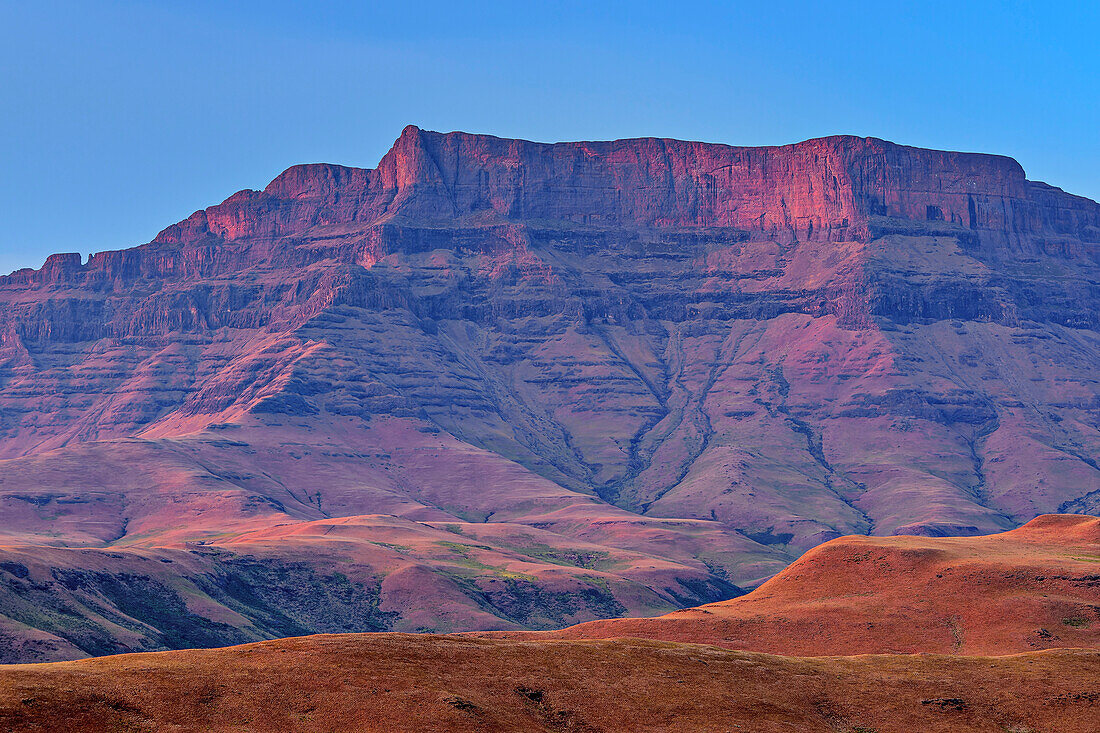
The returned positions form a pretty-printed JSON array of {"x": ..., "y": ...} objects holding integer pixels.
[{"x": 501, "y": 384}]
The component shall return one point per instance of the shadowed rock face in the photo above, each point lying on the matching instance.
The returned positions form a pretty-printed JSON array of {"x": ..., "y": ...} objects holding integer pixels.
[{"x": 491, "y": 374}]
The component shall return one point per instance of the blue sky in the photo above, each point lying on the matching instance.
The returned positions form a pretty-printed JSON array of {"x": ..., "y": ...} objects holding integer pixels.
[{"x": 120, "y": 118}]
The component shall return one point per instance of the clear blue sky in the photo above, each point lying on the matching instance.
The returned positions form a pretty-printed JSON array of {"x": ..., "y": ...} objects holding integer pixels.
[{"x": 119, "y": 118}]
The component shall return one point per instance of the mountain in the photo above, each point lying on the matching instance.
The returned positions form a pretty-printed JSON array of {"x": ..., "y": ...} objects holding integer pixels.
[{"x": 496, "y": 384}]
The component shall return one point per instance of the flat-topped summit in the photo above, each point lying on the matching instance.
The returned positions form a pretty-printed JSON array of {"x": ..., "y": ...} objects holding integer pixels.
[
  {"x": 822, "y": 188},
  {"x": 830, "y": 189}
]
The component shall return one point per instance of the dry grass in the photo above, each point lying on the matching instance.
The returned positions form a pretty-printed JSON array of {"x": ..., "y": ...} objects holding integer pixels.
[{"x": 399, "y": 682}]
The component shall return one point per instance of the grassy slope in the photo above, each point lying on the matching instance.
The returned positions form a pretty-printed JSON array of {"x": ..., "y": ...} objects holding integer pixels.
[{"x": 397, "y": 682}]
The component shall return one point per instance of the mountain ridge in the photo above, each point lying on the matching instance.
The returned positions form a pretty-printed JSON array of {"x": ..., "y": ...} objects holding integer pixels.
[{"x": 414, "y": 160}]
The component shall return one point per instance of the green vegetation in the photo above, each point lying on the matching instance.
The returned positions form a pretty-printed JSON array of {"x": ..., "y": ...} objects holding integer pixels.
[
  {"x": 465, "y": 561},
  {"x": 468, "y": 515},
  {"x": 136, "y": 610},
  {"x": 519, "y": 598},
  {"x": 587, "y": 559},
  {"x": 89, "y": 609},
  {"x": 402, "y": 549},
  {"x": 461, "y": 548},
  {"x": 597, "y": 581}
]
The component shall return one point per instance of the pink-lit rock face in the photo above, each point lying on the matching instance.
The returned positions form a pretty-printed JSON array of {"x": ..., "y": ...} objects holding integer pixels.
[
  {"x": 529, "y": 384},
  {"x": 826, "y": 188}
]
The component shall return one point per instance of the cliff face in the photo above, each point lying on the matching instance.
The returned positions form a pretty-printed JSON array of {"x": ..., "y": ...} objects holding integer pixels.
[
  {"x": 826, "y": 188},
  {"x": 830, "y": 189},
  {"x": 594, "y": 352}
]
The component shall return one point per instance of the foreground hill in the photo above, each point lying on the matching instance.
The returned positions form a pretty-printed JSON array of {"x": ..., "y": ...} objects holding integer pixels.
[
  {"x": 397, "y": 682},
  {"x": 1028, "y": 589},
  {"x": 496, "y": 384},
  {"x": 1036, "y": 587}
]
